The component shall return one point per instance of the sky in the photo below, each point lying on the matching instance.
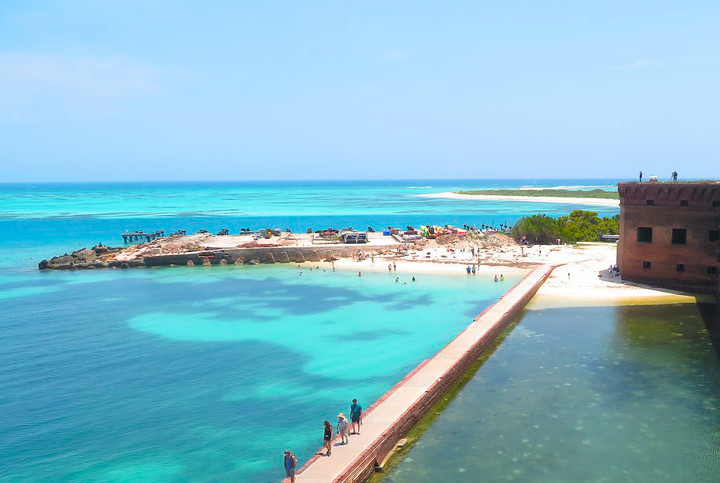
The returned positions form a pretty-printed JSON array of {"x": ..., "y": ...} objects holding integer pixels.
[{"x": 130, "y": 90}]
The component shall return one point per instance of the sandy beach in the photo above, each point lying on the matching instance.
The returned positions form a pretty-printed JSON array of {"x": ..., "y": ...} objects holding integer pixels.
[
  {"x": 580, "y": 278},
  {"x": 528, "y": 199}
]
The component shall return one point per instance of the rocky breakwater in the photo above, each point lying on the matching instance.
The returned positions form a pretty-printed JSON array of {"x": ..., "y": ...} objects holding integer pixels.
[
  {"x": 203, "y": 250},
  {"x": 99, "y": 256}
]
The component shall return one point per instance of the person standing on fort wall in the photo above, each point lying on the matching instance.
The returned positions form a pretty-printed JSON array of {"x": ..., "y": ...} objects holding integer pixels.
[
  {"x": 641, "y": 176},
  {"x": 673, "y": 176}
]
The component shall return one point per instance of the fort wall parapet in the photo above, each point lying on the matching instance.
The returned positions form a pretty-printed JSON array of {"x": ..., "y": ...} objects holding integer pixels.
[{"x": 670, "y": 234}]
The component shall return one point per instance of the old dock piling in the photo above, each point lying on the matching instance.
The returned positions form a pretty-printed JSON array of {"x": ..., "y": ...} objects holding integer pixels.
[{"x": 141, "y": 235}]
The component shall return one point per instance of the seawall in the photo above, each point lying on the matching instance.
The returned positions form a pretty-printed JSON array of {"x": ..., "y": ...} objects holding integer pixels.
[
  {"x": 261, "y": 255},
  {"x": 103, "y": 257},
  {"x": 391, "y": 417}
]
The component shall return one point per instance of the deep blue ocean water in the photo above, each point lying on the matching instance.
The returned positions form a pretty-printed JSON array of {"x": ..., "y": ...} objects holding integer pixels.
[{"x": 207, "y": 374}]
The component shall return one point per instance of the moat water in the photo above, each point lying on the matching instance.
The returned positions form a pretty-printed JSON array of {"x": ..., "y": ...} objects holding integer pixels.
[{"x": 584, "y": 394}]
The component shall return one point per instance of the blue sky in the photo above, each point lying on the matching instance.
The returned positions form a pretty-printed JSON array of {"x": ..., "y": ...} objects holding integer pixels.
[{"x": 117, "y": 90}]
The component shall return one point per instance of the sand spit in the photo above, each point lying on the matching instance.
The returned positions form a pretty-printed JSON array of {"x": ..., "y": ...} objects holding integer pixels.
[
  {"x": 528, "y": 199},
  {"x": 582, "y": 277}
]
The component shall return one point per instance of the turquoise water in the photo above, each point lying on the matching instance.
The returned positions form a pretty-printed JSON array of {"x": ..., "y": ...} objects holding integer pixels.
[
  {"x": 584, "y": 394},
  {"x": 286, "y": 201},
  {"x": 196, "y": 374},
  {"x": 207, "y": 374}
]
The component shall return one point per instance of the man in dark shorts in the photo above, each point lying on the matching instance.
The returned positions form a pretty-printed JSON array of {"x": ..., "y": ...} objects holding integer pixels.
[{"x": 355, "y": 416}]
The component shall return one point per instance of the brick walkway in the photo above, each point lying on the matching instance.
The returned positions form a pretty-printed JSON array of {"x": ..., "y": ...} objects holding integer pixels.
[{"x": 393, "y": 415}]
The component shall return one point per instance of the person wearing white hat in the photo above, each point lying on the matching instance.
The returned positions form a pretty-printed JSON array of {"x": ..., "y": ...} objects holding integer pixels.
[{"x": 342, "y": 428}]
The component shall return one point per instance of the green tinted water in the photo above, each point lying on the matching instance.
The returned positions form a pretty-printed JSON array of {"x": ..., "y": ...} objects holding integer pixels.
[{"x": 584, "y": 394}]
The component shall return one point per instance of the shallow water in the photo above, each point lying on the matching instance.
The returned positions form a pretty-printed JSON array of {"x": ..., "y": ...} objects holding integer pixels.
[
  {"x": 196, "y": 374},
  {"x": 584, "y": 394},
  {"x": 208, "y": 373}
]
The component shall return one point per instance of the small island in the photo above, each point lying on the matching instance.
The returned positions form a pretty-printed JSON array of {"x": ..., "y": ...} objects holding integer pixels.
[
  {"x": 550, "y": 192},
  {"x": 594, "y": 197}
]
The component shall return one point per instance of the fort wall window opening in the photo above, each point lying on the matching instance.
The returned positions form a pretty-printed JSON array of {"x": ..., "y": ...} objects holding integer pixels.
[
  {"x": 679, "y": 236},
  {"x": 644, "y": 234},
  {"x": 712, "y": 270},
  {"x": 714, "y": 235},
  {"x": 680, "y": 267},
  {"x": 647, "y": 265}
]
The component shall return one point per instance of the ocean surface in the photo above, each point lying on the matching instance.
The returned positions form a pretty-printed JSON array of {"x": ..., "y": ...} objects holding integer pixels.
[
  {"x": 207, "y": 374},
  {"x": 629, "y": 393}
]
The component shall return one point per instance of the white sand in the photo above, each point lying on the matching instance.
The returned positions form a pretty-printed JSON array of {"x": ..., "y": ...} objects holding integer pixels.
[
  {"x": 580, "y": 279},
  {"x": 529, "y": 199},
  {"x": 583, "y": 280},
  {"x": 588, "y": 283}
]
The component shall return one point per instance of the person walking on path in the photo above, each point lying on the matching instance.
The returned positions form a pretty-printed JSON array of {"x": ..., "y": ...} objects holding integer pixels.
[
  {"x": 342, "y": 428},
  {"x": 355, "y": 416},
  {"x": 327, "y": 438},
  {"x": 290, "y": 462}
]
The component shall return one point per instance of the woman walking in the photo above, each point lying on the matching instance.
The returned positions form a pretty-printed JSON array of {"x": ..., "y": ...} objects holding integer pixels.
[
  {"x": 327, "y": 437},
  {"x": 290, "y": 463}
]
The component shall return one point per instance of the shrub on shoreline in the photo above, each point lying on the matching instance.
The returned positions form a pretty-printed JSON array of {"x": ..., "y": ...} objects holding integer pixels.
[{"x": 579, "y": 225}]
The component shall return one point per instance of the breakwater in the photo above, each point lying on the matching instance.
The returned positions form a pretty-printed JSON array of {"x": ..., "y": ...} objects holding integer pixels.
[
  {"x": 395, "y": 413},
  {"x": 105, "y": 257}
]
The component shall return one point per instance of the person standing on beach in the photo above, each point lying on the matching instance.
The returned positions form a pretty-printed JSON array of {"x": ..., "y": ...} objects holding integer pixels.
[
  {"x": 355, "y": 416},
  {"x": 327, "y": 437},
  {"x": 290, "y": 462},
  {"x": 342, "y": 428}
]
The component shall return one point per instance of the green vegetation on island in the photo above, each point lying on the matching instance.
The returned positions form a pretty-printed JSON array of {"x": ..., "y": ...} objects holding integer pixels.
[
  {"x": 556, "y": 193},
  {"x": 579, "y": 225}
]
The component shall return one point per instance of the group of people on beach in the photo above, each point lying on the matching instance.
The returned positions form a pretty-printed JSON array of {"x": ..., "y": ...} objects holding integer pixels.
[{"x": 344, "y": 428}]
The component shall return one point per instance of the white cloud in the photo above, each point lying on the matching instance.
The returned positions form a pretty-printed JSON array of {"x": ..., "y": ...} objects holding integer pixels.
[{"x": 75, "y": 78}]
